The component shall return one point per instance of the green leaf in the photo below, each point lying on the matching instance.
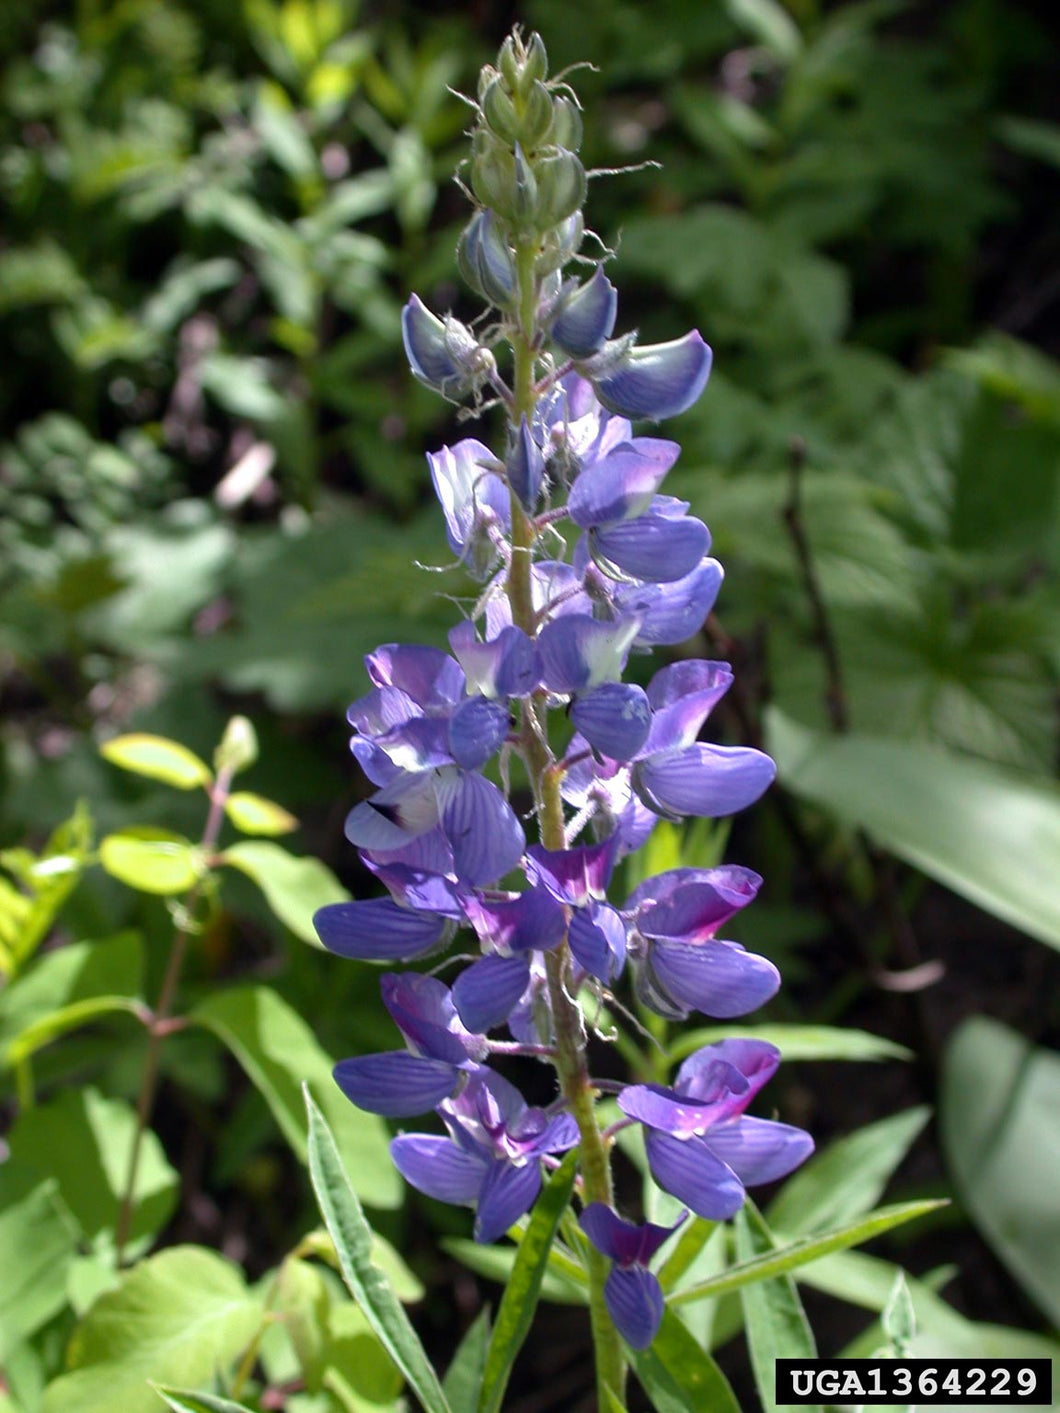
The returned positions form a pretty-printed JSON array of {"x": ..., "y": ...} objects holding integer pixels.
[
  {"x": 770, "y": 24},
  {"x": 294, "y": 888},
  {"x": 516, "y": 1311},
  {"x": 38, "y": 1239},
  {"x": 463, "y": 1378},
  {"x": 612, "y": 1402},
  {"x": 42, "y": 1032},
  {"x": 687, "y": 1251},
  {"x": 158, "y": 758},
  {"x": 795, "y": 1042},
  {"x": 184, "y": 1401},
  {"x": 679, "y": 1376},
  {"x": 774, "y": 1319},
  {"x": 152, "y": 861},
  {"x": 992, "y": 835},
  {"x": 779, "y": 1261},
  {"x": 998, "y": 1117},
  {"x": 67, "y": 977},
  {"x": 848, "y": 1178},
  {"x": 279, "y": 1052},
  {"x": 83, "y": 1141},
  {"x": 253, "y": 814},
  {"x": 181, "y": 1316},
  {"x": 353, "y": 1242},
  {"x": 564, "y": 1283}
]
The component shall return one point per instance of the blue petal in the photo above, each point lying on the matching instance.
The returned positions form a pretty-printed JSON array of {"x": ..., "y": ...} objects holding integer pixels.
[
  {"x": 473, "y": 498},
  {"x": 597, "y": 939},
  {"x": 438, "y": 1167},
  {"x": 505, "y": 666},
  {"x": 621, "y": 484},
  {"x": 379, "y": 930},
  {"x": 486, "y": 992},
  {"x": 635, "y": 1302},
  {"x": 531, "y": 921},
  {"x": 588, "y": 317},
  {"x": 428, "y": 675},
  {"x": 614, "y": 718},
  {"x": 688, "y": 1170},
  {"x": 572, "y": 875},
  {"x": 477, "y": 730},
  {"x": 578, "y": 651},
  {"x": 525, "y": 465},
  {"x": 719, "y": 979},
  {"x": 486, "y": 837},
  {"x": 671, "y": 612},
  {"x": 656, "y": 546},
  {"x": 422, "y": 1009},
  {"x": 702, "y": 779},
  {"x": 759, "y": 1150},
  {"x": 395, "y": 1083},
  {"x": 506, "y": 1194},
  {"x": 669, "y": 1112},
  {"x": 395, "y": 815},
  {"x": 654, "y": 380},
  {"x": 757, "y": 1061}
]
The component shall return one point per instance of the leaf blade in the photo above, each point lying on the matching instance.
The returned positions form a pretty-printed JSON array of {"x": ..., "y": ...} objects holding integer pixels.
[{"x": 157, "y": 758}]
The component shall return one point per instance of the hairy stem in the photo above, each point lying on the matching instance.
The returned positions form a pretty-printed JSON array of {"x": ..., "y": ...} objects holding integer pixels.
[
  {"x": 159, "y": 1029},
  {"x": 570, "y": 1059}
]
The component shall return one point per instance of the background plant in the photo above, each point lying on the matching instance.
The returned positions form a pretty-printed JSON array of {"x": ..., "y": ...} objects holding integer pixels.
[{"x": 860, "y": 206}]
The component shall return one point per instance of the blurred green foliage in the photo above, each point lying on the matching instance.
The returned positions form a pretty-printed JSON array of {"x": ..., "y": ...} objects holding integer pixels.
[{"x": 213, "y": 496}]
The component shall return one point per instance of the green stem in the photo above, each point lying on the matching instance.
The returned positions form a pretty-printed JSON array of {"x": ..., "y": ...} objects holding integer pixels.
[
  {"x": 158, "y": 1029},
  {"x": 570, "y": 1061}
]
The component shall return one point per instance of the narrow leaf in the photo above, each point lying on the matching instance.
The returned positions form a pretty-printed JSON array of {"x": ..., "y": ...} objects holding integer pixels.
[
  {"x": 564, "y": 1283},
  {"x": 521, "y": 1294},
  {"x": 158, "y": 758},
  {"x": 67, "y": 1018},
  {"x": 463, "y": 1378},
  {"x": 795, "y": 1042},
  {"x": 184, "y": 1401},
  {"x": 689, "y": 1246},
  {"x": 778, "y": 1261},
  {"x": 279, "y": 1053},
  {"x": 353, "y": 1242},
  {"x": 294, "y": 888},
  {"x": 774, "y": 1319},
  {"x": 612, "y": 1402},
  {"x": 253, "y": 814},
  {"x": 679, "y": 1376},
  {"x": 848, "y": 1178}
]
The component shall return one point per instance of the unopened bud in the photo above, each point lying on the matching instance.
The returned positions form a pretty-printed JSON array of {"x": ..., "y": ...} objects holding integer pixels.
[
  {"x": 566, "y": 124},
  {"x": 444, "y": 355},
  {"x": 561, "y": 188},
  {"x": 238, "y": 747},
  {"x": 486, "y": 261},
  {"x": 560, "y": 245},
  {"x": 587, "y": 317},
  {"x": 499, "y": 112},
  {"x": 535, "y": 125}
]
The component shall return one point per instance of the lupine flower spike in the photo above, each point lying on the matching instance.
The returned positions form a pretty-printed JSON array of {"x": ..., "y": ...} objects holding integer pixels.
[{"x": 585, "y": 562}]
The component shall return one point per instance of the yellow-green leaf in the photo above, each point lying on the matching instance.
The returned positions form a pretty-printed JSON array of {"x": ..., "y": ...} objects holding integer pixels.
[
  {"x": 158, "y": 758},
  {"x": 152, "y": 861},
  {"x": 253, "y": 814}
]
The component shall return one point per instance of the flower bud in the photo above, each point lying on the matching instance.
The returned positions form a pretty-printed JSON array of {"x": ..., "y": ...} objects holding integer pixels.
[
  {"x": 657, "y": 380},
  {"x": 525, "y": 465},
  {"x": 536, "y": 122},
  {"x": 499, "y": 112},
  {"x": 587, "y": 317},
  {"x": 561, "y": 188},
  {"x": 444, "y": 355},
  {"x": 560, "y": 245},
  {"x": 566, "y": 124},
  {"x": 485, "y": 260},
  {"x": 503, "y": 180}
]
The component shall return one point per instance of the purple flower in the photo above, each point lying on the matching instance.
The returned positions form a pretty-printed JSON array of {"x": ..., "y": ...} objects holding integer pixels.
[
  {"x": 474, "y": 501},
  {"x": 492, "y": 1158},
  {"x": 586, "y": 316},
  {"x": 653, "y": 380},
  {"x": 701, "y": 1146},
  {"x": 634, "y": 1296}
]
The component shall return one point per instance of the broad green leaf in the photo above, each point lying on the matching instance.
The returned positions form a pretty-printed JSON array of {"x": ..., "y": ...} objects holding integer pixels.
[
  {"x": 158, "y": 758},
  {"x": 780, "y": 1260},
  {"x": 184, "y": 1401},
  {"x": 564, "y": 1282},
  {"x": 519, "y": 1301},
  {"x": 68, "y": 976},
  {"x": 990, "y": 834},
  {"x": 848, "y": 1178},
  {"x": 38, "y": 1238},
  {"x": 181, "y": 1316},
  {"x": 253, "y": 814},
  {"x": 998, "y": 1117},
  {"x": 795, "y": 1042},
  {"x": 352, "y": 1236},
  {"x": 294, "y": 887},
  {"x": 152, "y": 861},
  {"x": 774, "y": 1319},
  {"x": 279, "y": 1053},
  {"x": 83, "y": 1141},
  {"x": 67, "y": 1018},
  {"x": 301, "y": 1301},
  {"x": 47, "y": 880},
  {"x": 355, "y": 1356},
  {"x": 463, "y": 1378},
  {"x": 679, "y": 1376}
]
